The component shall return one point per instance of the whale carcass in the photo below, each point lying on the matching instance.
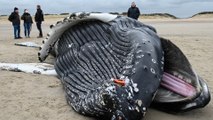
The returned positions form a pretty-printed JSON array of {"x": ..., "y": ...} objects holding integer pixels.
[{"x": 114, "y": 67}]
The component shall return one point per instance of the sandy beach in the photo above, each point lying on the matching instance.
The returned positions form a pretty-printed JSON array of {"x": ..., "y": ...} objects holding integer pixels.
[{"x": 40, "y": 97}]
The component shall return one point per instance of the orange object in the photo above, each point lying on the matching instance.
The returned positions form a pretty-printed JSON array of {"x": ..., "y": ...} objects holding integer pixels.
[{"x": 120, "y": 82}]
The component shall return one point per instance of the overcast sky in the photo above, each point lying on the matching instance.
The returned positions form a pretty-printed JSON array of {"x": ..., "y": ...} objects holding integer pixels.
[{"x": 179, "y": 8}]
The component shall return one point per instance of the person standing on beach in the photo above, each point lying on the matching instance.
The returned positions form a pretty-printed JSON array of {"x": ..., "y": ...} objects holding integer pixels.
[
  {"x": 39, "y": 17},
  {"x": 15, "y": 19},
  {"x": 133, "y": 11},
  {"x": 27, "y": 23}
]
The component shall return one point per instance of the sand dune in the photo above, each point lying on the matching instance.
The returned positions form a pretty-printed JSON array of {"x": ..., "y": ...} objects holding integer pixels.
[
  {"x": 203, "y": 15},
  {"x": 39, "y": 97}
]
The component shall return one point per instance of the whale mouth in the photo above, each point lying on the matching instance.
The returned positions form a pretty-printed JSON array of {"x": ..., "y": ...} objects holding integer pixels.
[
  {"x": 181, "y": 89},
  {"x": 179, "y": 81},
  {"x": 178, "y": 87},
  {"x": 178, "y": 84}
]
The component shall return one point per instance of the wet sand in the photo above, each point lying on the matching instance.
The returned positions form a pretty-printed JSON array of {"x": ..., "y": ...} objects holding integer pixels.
[{"x": 39, "y": 97}]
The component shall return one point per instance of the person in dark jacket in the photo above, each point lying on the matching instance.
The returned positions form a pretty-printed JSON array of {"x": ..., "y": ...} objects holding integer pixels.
[
  {"x": 39, "y": 17},
  {"x": 27, "y": 23},
  {"x": 15, "y": 19},
  {"x": 133, "y": 11}
]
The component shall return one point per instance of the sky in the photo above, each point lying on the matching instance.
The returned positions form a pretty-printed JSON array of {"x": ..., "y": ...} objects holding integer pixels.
[{"x": 179, "y": 8}]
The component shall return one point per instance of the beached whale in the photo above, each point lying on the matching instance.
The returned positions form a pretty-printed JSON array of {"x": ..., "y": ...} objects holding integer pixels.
[{"x": 115, "y": 67}]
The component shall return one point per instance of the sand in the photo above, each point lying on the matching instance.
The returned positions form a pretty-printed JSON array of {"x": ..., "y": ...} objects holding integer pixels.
[{"x": 39, "y": 97}]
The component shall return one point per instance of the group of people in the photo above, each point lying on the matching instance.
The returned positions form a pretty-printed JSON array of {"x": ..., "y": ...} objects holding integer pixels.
[
  {"x": 26, "y": 17},
  {"x": 133, "y": 12}
]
